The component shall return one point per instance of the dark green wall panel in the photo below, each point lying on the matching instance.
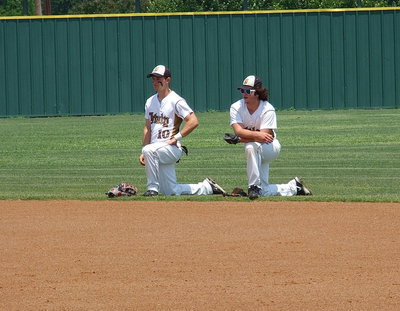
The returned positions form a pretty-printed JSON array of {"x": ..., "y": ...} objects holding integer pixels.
[
  {"x": 262, "y": 47},
  {"x": 396, "y": 31},
  {"x": 225, "y": 63},
  {"x": 287, "y": 61},
  {"x": 100, "y": 68},
  {"x": 36, "y": 85},
  {"x": 23, "y": 67},
  {"x": 11, "y": 68},
  {"x": 3, "y": 98},
  {"x": 137, "y": 66},
  {"x": 338, "y": 60},
  {"x": 362, "y": 53},
  {"x": 124, "y": 66},
  {"x": 299, "y": 62},
  {"x": 375, "y": 53},
  {"x": 63, "y": 91},
  {"x": 350, "y": 61},
  {"x": 49, "y": 104},
  {"x": 186, "y": 58},
  {"x": 199, "y": 64},
  {"x": 246, "y": 58},
  {"x": 212, "y": 78},
  {"x": 388, "y": 54},
  {"x": 325, "y": 61},
  {"x": 275, "y": 60},
  {"x": 74, "y": 65},
  {"x": 87, "y": 66},
  {"x": 313, "y": 63},
  {"x": 241, "y": 37}
]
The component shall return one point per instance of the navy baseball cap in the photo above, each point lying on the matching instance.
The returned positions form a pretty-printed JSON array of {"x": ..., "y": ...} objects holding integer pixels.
[{"x": 160, "y": 71}]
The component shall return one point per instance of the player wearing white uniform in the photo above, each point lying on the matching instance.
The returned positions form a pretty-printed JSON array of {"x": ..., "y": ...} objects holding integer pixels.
[
  {"x": 253, "y": 120},
  {"x": 164, "y": 113}
]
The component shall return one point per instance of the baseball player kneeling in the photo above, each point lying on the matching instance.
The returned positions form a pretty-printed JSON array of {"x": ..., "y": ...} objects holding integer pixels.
[
  {"x": 164, "y": 113},
  {"x": 253, "y": 120}
]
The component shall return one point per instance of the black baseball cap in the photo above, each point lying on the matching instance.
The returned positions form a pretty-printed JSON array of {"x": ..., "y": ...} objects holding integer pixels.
[
  {"x": 251, "y": 82},
  {"x": 160, "y": 71}
]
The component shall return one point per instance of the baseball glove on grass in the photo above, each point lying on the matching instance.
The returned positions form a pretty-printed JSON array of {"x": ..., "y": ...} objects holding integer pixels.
[
  {"x": 122, "y": 190},
  {"x": 236, "y": 192},
  {"x": 231, "y": 138}
]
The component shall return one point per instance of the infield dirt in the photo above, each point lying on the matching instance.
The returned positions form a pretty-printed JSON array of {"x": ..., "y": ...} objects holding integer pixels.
[{"x": 136, "y": 255}]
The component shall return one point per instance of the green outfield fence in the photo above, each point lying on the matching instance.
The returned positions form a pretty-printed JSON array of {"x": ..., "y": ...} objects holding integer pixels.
[{"x": 96, "y": 64}]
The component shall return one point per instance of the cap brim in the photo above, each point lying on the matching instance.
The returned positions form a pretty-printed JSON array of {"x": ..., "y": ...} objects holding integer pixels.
[
  {"x": 154, "y": 75},
  {"x": 245, "y": 87}
]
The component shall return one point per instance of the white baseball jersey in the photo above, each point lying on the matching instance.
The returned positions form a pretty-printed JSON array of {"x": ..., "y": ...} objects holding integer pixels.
[
  {"x": 166, "y": 116},
  {"x": 263, "y": 118},
  {"x": 259, "y": 156}
]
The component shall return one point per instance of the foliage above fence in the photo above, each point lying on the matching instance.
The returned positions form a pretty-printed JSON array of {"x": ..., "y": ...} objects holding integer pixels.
[{"x": 62, "y": 7}]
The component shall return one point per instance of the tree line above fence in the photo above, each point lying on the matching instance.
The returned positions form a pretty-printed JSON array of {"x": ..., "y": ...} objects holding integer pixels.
[{"x": 71, "y": 7}]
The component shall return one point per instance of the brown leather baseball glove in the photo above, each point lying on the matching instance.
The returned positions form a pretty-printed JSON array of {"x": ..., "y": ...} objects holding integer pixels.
[{"x": 231, "y": 138}]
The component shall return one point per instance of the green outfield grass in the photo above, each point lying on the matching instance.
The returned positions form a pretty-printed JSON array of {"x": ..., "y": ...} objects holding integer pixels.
[{"x": 346, "y": 155}]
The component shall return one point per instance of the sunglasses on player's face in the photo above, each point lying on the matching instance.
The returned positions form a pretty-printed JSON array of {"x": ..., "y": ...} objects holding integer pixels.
[{"x": 248, "y": 92}]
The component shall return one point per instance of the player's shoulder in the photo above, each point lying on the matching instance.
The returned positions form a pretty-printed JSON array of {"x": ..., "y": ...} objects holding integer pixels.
[
  {"x": 151, "y": 99},
  {"x": 267, "y": 106},
  {"x": 237, "y": 105},
  {"x": 175, "y": 97},
  {"x": 178, "y": 101}
]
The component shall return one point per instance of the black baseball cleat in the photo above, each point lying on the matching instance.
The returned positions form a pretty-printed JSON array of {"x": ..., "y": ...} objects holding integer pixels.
[
  {"x": 216, "y": 189},
  {"x": 301, "y": 187},
  {"x": 254, "y": 192},
  {"x": 150, "y": 193}
]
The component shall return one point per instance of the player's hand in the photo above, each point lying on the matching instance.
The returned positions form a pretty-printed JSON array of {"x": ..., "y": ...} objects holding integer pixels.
[
  {"x": 265, "y": 138},
  {"x": 141, "y": 160},
  {"x": 172, "y": 141}
]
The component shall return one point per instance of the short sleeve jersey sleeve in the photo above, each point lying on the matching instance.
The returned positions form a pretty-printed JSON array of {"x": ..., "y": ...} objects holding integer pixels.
[
  {"x": 235, "y": 113},
  {"x": 268, "y": 119},
  {"x": 182, "y": 109}
]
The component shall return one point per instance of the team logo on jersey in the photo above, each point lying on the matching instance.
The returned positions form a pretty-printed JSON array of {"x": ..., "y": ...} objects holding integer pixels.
[
  {"x": 154, "y": 118},
  {"x": 251, "y": 129}
]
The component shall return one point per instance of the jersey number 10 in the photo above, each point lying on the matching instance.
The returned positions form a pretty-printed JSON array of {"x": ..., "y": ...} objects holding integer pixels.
[{"x": 163, "y": 134}]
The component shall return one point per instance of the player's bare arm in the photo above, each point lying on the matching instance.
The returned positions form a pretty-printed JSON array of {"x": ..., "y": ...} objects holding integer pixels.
[
  {"x": 145, "y": 139},
  {"x": 191, "y": 122},
  {"x": 265, "y": 136}
]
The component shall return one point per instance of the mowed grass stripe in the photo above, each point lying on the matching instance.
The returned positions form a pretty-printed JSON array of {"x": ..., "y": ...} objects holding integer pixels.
[{"x": 344, "y": 155}]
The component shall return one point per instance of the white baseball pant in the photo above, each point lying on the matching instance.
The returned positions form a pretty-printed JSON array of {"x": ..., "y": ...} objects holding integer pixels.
[
  {"x": 259, "y": 157},
  {"x": 160, "y": 159}
]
